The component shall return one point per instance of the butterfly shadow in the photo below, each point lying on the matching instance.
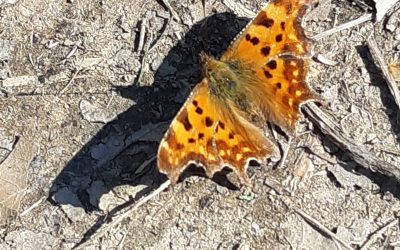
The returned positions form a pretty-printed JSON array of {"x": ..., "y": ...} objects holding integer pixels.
[{"x": 124, "y": 151}]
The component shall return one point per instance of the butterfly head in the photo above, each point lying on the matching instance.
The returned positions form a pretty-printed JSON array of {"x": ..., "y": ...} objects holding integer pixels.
[{"x": 209, "y": 64}]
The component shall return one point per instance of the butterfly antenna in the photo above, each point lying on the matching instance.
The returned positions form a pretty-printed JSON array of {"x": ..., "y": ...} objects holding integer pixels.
[{"x": 203, "y": 61}]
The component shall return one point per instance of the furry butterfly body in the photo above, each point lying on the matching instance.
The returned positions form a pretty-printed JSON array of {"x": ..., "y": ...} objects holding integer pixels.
[{"x": 259, "y": 79}]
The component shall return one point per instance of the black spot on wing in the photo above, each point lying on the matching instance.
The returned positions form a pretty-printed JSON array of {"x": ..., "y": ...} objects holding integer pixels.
[
  {"x": 221, "y": 125},
  {"x": 267, "y": 74},
  {"x": 199, "y": 110},
  {"x": 200, "y": 136},
  {"x": 254, "y": 40},
  {"x": 184, "y": 119},
  {"x": 265, "y": 50},
  {"x": 272, "y": 64},
  {"x": 264, "y": 20},
  {"x": 209, "y": 122}
]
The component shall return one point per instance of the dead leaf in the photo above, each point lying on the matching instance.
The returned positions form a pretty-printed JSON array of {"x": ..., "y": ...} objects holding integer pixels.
[
  {"x": 93, "y": 113},
  {"x": 395, "y": 70},
  {"x": 13, "y": 177}
]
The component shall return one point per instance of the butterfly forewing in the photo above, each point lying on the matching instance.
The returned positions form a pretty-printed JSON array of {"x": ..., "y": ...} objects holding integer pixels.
[
  {"x": 274, "y": 31},
  {"x": 275, "y": 48}
]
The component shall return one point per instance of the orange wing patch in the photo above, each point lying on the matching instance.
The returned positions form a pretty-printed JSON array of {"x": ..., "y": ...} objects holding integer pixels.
[
  {"x": 282, "y": 83},
  {"x": 209, "y": 135},
  {"x": 276, "y": 30},
  {"x": 275, "y": 47}
]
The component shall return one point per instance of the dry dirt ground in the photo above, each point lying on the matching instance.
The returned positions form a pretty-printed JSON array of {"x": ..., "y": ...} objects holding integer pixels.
[{"x": 85, "y": 99}]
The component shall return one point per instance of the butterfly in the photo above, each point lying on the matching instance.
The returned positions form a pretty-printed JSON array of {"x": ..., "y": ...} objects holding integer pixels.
[{"x": 259, "y": 79}]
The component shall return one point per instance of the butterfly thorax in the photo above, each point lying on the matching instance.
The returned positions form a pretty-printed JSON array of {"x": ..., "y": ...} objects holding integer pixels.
[{"x": 226, "y": 80}]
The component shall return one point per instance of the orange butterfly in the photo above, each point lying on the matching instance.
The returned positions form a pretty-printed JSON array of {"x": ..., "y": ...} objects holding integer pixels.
[{"x": 259, "y": 79}]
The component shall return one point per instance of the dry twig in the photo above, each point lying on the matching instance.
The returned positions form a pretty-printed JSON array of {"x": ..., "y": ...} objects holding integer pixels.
[
  {"x": 285, "y": 153},
  {"x": 321, "y": 227},
  {"x": 142, "y": 34},
  {"x": 276, "y": 186},
  {"x": 322, "y": 59},
  {"x": 127, "y": 212},
  {"x": 34, "y": 205},
  {"x": 360, "y": 20},
  {"x": 74, "y": 76},
  {"x": 378, "y": 233},
  {"x": 358, "y": 152},
  {"x": 145, "y": 52},
  {"x": 175, "y": 16}
]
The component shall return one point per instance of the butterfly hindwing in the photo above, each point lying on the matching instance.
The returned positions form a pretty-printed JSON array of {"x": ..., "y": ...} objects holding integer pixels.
[{"x": 207, "y": 133}]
